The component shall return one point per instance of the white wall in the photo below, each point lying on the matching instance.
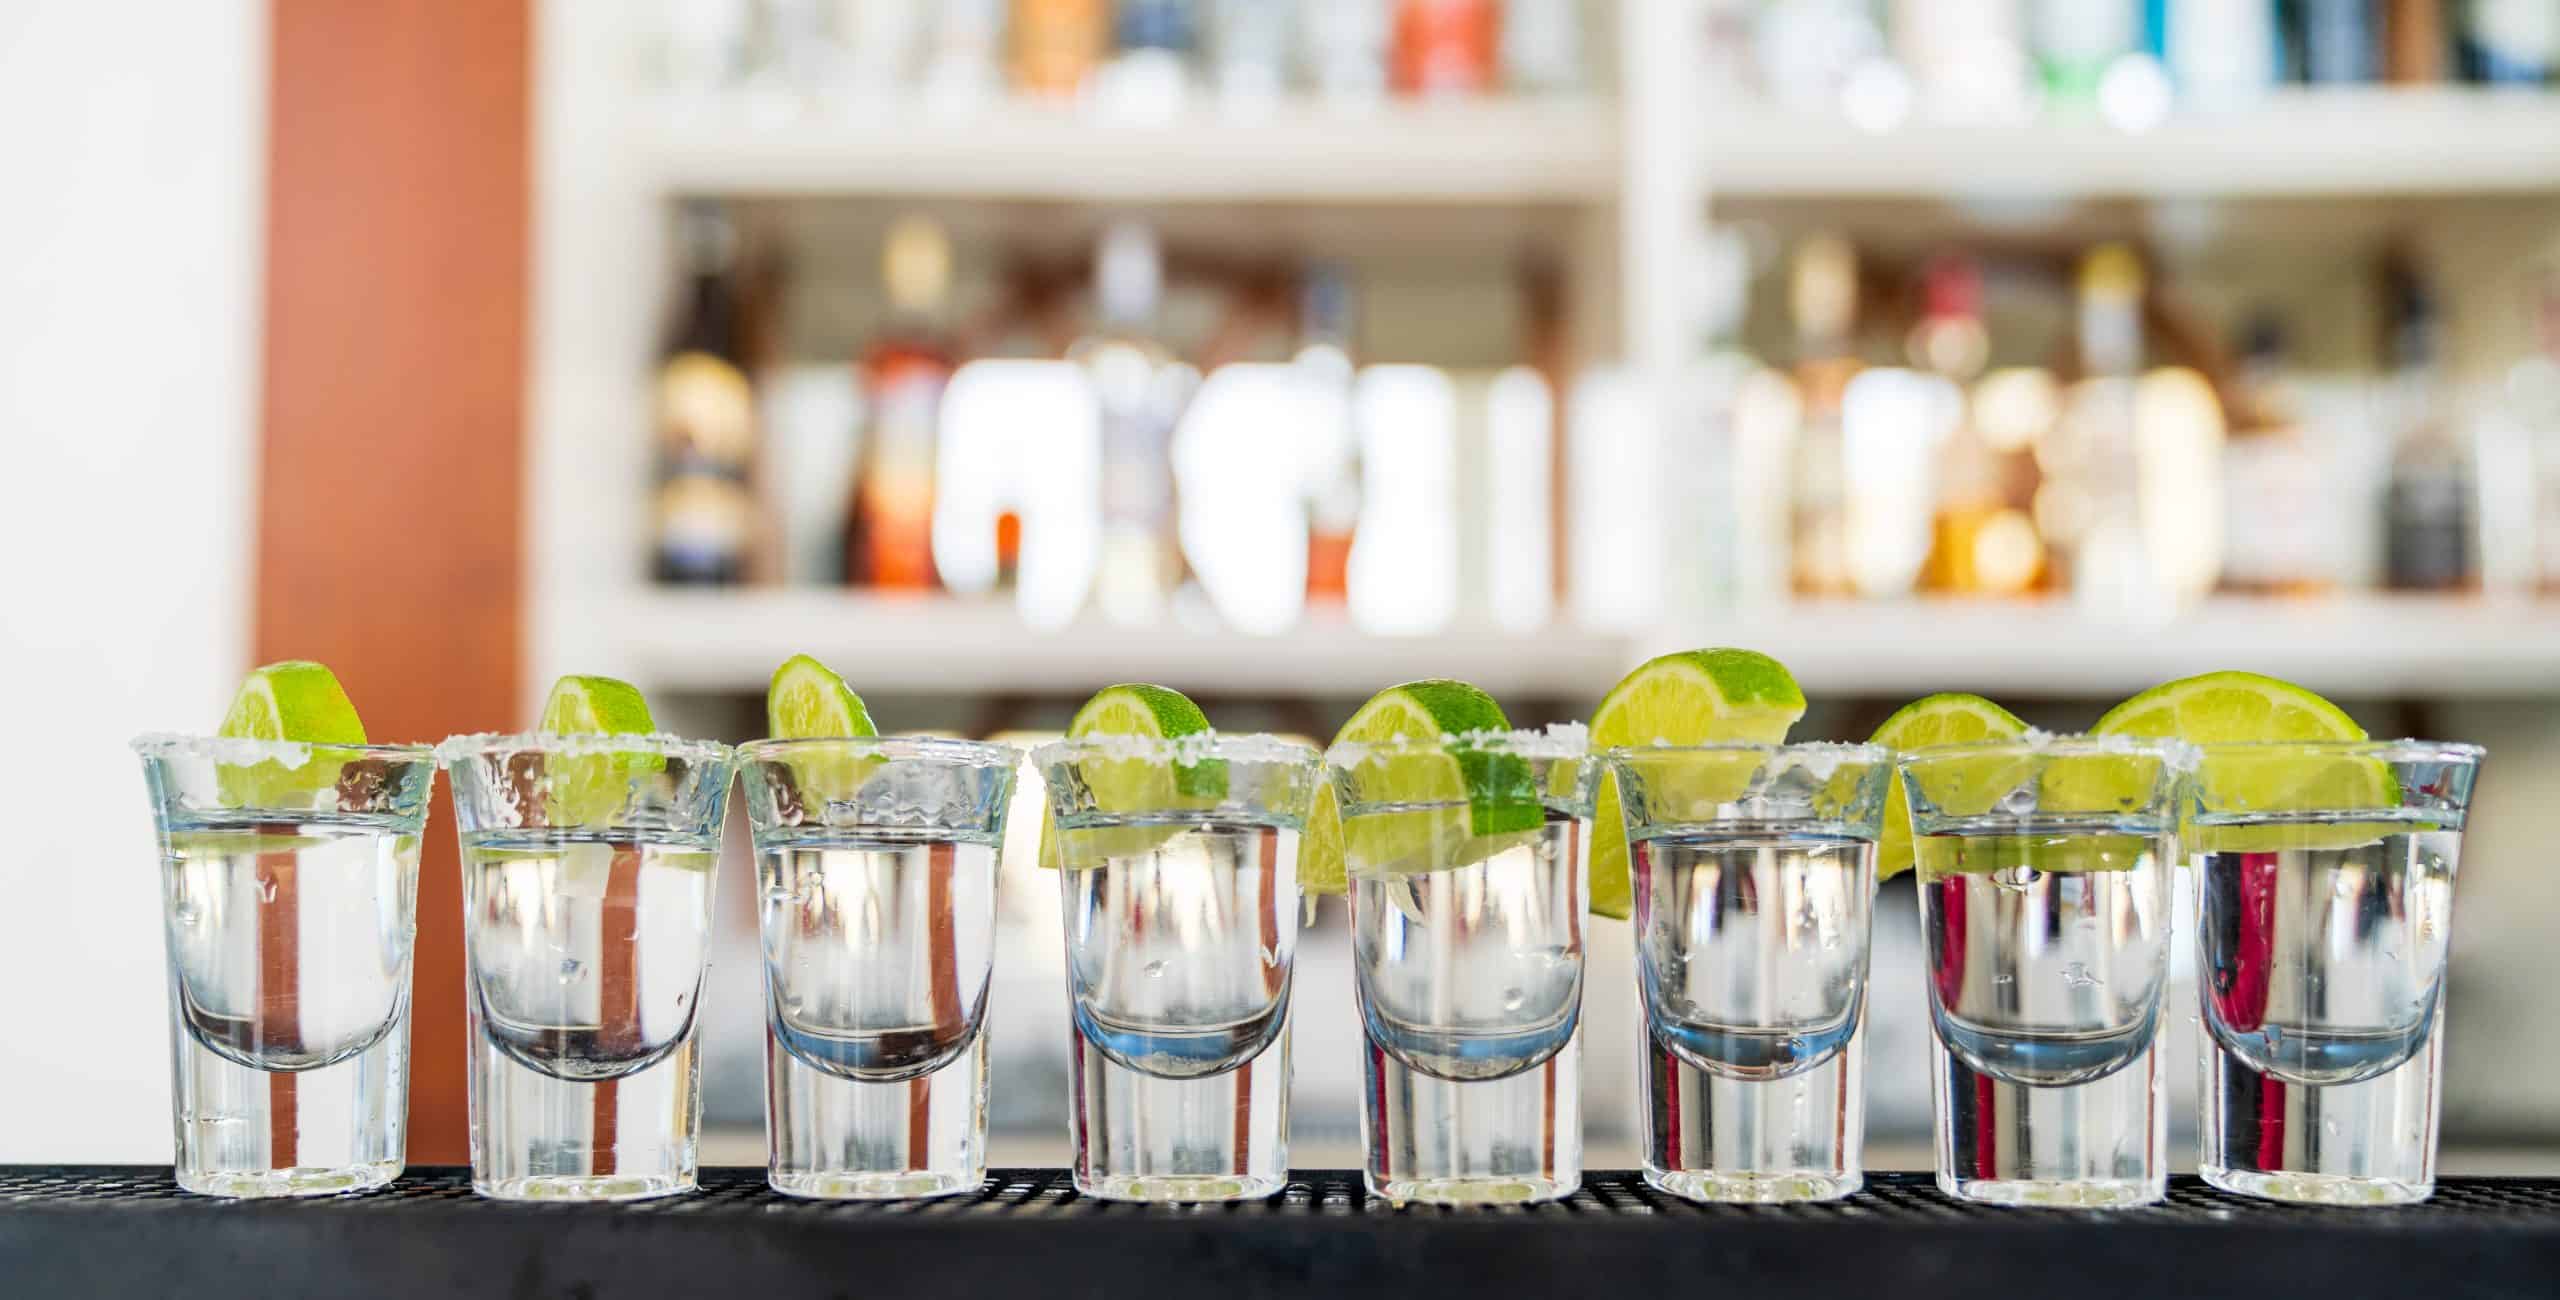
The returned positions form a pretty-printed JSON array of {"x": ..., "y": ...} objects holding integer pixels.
[{"x": 133, "y": 142}]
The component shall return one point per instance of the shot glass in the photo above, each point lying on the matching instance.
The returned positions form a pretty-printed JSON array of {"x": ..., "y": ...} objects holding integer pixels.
[
  {"x": 2044, "y": 871},
  {"x": 1754, "y": 873},
  {"x": 2324, "y": 905},
  {"x": 1178, "y": 870},
  {"x": 876, "y": 866},
  {"x": 289, "y": 878},
  {"x": 587, "y": 866},
  {"x": 1467, "y": 961}
]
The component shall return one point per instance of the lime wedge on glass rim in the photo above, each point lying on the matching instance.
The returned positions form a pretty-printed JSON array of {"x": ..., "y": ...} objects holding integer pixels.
[
  {"x": 1135, "y": 783},
  {"x": 295, "y": 701},
  {"x": 1691, "y": 697},
  {"x": 593, "y": 787},
  {"x": 1486, "y": 800},
  {"x": 2227, "y": 708},
  {"x": 806, "y": 700},
  {"x": 1943, "y": 719}
]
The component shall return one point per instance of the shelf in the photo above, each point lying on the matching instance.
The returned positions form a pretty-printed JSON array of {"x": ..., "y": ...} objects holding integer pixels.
[
  {"x": 730, "y": 641},
  {"x": 1025, "y": 1232},
  {"x": 2297, "y": 144},
  {"x": 1491, "y": 151},
  {"x": 2420, "y": 647}
]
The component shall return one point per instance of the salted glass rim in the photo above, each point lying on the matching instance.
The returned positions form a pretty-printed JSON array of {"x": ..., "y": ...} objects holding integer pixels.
[
  {"x": 1842, "y": 750},
  {"x": 2177, "y": 754},
  {"x": 2401, "y": 750},
  {"x": 481, "y": 744},
  {"x": 242, "y": 749},
  {"x": 984, "y": 753},
  {"x": 1555, "y": 742},
  {"x": 1200, "y": 746}
]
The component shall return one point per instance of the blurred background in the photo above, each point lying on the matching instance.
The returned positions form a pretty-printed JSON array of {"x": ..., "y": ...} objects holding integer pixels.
[{"x": 1274, "y": 350}]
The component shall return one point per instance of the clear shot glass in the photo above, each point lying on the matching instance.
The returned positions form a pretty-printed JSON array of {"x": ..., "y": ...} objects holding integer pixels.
[
  {"x": 587, "y": 866},
  {"x": 876, "y": 867},
  {"x": 1178, "y": 870},
  {"x": 1468, "y": 962},
  {"x": 1754, "y": 872},
  {"x": 2044, "y": 870},
  {"x": 2324, "y": 905},
  {"x": 289, "y": 882}
]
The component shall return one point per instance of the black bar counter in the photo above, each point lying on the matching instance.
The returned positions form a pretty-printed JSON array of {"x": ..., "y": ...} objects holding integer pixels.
[{"x": 128, "y": 1231}]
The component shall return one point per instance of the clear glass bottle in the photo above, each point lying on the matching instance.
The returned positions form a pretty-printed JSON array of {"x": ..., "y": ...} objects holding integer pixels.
[
  {"x": 1823, "y": 293},
  {"x": 2429, "y": 530},
  {"x": 1136, "y": 381}
]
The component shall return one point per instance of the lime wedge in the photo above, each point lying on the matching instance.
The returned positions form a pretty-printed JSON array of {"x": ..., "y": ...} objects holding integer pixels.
[
  {"x": 2243, "y": 708},
  {"x": 596, "y": 706},
  {"x": 1497, "y": 788},
  {"x": 297, "y": 701},
  {"x": 1136, "y": 783},
  {"x": 1945, "y": 719},
  {"x": 587, "y": 788},
  {"x": 1693, "y": 697},
  {"x": 808, "y": 701}
]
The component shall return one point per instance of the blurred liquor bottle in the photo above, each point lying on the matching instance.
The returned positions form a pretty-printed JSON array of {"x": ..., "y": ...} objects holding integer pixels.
[
  {"x": 1446, "y": 47},
  {"x": 2333, "y": 42},
  {"x": 706, "y": 419},
  {"x": 1823, "y": 295},
  {"x": 1542, "y": 46},
  {"x": 1346, "y": 50},
  {"x": 2533, "y": 394},
  {"x": 1967, "y": 59},
  {"x": 1326, "y": 356},
  {"x": 1149, "y": 75},
  {"x": 2510, "y": 42},
  {"x": 889, "y": 541},
  {"x": 2277, "y": 536},
  {"x": 962, "y": 59},
  {"x": 1057, "y": 45},
  {"x": 880, "y": 40},
  {"x": 1251, "y": 60},
  {"x": 1136, "y": 386},
  {"x": 1808, "y": 50},
  {"x": 2076, "y": 43},
  {"x": 2416, "y": 46},
  {"x": 2428, "y": 503},
  {"x": 2220, "y": 55},
  {"x": 2089, "y": 507},
  {"x": 1980, "y": 542}
]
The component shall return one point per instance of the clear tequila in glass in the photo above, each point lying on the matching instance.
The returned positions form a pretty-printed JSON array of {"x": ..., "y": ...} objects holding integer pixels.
[
  {"x": 1467, "y": 960},
  {"x": 2324, "y": 909},
  {"x": 1754, "y": 876},
  {"x": 1180, "y": 900},
  {"x": 2044, "y": 870},
  {"x": 587, "y": 872},
  {"x": 289, "y": 876},
  {"x": 876, "y": 867}
]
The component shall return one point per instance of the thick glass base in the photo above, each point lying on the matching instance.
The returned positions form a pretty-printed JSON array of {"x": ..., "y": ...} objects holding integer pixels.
[
  {"x": 537, "y": 1137},
  {"x": 1474, "y": 1142},
  {"x": 2317, "y": 1189},
  {"x": 301, "y": 1180},
  {"x": 1178, "y": 1188},
  {"x": 1472, "y": 1191},
  {"x": 914, "y": 1186},
  {"x": 1145, "y": 1137},
  {"x": 1752, "y": 1189},
  {"x": 242, "y": 1132},
  {"x": 1712, "y": 1137},
  {"x": 2054, "y": 1193},
  {"x": 2089, "y": 1145},
  {"x": 2368, "y": 1143},
  {"x": 832, "y": 1138},
  {"x": 598, "y": 1187}
]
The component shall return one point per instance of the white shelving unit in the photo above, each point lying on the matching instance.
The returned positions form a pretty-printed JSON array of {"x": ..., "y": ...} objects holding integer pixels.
[{"x": 1633, "y": 176}]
